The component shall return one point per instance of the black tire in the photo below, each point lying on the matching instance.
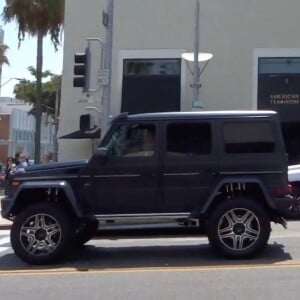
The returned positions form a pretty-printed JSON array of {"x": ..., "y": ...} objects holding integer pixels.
[
  {"x": 41, "y": 234},
  {"x": 239, "y": 228}
]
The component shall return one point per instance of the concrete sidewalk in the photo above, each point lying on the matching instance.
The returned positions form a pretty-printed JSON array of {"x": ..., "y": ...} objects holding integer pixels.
[{"x": 4, "y": 224}]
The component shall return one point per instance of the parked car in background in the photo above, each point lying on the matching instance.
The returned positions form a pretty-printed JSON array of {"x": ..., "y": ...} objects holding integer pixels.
[
  {"x": 294, "y": 173},
  {"x": 294, "y": 181}
]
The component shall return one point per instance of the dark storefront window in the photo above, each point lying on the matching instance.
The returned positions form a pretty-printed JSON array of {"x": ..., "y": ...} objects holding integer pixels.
[
  {"x": 279, "y": 86},
  {"x": 151, "y": 85},
  {"x": 149, "y": 67},
  {"x": 279, "y": 90}
]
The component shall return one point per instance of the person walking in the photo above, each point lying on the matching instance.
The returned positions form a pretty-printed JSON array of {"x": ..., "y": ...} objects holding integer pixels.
[
  {"x": 20, "y": 167},
  {"x": 10, "y": 168}
]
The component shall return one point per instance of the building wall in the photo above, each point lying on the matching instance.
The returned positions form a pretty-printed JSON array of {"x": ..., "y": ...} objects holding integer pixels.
[
  {"x": 83, "y": 19},
  {"x": 234, "y": 31},
  {"x": 17, "y": 129}
]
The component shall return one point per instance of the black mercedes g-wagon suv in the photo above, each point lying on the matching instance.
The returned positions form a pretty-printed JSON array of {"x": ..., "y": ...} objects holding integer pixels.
[{"x": 221, "y": 173}]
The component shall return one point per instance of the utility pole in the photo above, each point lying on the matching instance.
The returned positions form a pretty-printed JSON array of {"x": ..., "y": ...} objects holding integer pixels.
[
  {"x": 107, "y": 65},
  {"x": 56, "y": 124},
  {"x": 196, "y": 71}
]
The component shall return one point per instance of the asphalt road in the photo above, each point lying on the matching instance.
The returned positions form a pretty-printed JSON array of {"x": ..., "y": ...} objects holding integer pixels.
[{"x": 157, "y": 268}]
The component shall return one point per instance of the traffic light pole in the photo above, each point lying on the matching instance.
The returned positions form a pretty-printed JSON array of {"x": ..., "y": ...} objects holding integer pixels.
[
  {"x": 82, "y": 68},
  {"x": 102, "y": 44},
  {"x": 107, "y": 65}
]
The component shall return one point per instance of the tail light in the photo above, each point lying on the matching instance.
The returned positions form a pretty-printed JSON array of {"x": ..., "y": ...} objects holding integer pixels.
[
  {"x": 283, "y": 190},
  {"x": 290, "y": 189}
]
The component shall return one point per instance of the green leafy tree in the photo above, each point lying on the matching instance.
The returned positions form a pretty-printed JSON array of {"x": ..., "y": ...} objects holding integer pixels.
[
  {"x": 50, "y": 92},
  {"x": 37, "y": 18}
]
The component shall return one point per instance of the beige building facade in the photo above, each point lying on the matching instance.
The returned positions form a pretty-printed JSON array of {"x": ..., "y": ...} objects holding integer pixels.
[{"x": 243, "y": 37}]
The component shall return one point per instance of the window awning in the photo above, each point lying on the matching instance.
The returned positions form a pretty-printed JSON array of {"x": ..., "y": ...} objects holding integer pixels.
[{"x": 79, "y": 135}]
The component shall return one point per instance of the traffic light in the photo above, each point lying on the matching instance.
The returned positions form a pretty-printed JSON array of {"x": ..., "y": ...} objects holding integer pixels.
[{"x": 82, "y": 70}]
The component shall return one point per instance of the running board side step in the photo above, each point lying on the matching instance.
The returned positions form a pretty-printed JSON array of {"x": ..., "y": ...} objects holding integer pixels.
[{"x": 138, "y": 219}]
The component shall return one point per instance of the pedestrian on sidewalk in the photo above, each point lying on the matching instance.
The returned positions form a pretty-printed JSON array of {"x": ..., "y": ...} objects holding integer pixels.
[
  {"x": 22, "y": 163},
  {"x": 10, "y": 168},
  {"x": 10, "y": 165}
]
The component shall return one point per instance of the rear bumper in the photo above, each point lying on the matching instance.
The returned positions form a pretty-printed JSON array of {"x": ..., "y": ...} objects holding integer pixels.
[{"x": 287, "y": 207}]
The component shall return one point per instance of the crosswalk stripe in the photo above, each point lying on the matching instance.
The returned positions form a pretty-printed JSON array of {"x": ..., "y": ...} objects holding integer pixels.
[
  {"x": 4, "y": 240},
  {"x": 4, "y": 232}
]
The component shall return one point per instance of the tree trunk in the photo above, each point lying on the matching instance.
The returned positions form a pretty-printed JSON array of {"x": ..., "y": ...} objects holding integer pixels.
[{"x": 38, "y": 110}]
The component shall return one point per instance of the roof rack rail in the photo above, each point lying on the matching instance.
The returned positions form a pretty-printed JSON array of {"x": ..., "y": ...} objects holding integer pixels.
[{"x": 121, "y": 116}]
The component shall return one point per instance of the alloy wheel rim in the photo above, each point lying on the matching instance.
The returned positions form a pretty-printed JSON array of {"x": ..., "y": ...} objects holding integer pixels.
[
  {"x": 40, "y": 234},
  {"x": 238, "y": 229}
]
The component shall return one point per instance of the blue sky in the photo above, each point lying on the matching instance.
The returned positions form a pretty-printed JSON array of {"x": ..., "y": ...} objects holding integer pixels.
[{"x": 21, "y": 58}]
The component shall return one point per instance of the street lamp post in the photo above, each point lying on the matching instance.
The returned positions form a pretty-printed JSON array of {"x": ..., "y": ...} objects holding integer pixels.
[
  {"x": 196, "y": 73},
  {"x": 196, "y": 57},
  {"x": 196, "y": 85}
]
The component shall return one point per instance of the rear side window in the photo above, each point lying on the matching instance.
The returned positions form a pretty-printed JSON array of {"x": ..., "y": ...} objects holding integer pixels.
[
  {"x": 189, "y": 139},
  {"x": 248, "y": 137}
]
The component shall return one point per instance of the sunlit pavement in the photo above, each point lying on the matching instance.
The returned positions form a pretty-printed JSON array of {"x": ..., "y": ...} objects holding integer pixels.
[{"x": 4, "y": 224}]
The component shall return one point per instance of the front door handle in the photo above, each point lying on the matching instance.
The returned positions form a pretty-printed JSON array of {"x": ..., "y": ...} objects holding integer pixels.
[{"x": 211, "y": 171}]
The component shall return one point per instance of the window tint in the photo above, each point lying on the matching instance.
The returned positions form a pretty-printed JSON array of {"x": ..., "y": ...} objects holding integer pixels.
[
  {"x": 133, "y": 140},
  {"x": 246, "y": 137},
  {"x": 188, "y": 138}
]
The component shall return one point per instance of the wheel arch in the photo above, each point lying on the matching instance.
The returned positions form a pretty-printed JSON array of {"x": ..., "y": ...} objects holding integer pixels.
[
  {"x": 34, "y": 192},
  {"x": 247, "y": 187}
]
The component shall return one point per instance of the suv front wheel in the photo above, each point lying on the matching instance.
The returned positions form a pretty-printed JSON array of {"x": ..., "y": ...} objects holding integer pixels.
[
  {"x": 41, "y": 233},
  {"x": 239, "y": 228}
]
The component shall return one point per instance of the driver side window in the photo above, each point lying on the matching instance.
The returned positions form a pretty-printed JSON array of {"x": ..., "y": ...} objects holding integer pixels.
[{"x": 134, "y": 140}]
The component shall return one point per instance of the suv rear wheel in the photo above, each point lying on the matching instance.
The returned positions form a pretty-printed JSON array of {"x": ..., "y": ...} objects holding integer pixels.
[
  {"x": 41, "y": 233},
  {"x": 239, "y": 228}
]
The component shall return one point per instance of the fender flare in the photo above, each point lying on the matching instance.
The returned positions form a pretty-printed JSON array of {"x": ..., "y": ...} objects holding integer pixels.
[
  {"x": 216, "y": 190},
  {"x": 62, "y": 185}
]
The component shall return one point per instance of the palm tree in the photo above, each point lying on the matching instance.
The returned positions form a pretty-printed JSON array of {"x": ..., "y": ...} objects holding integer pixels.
[
  {"x": 37, "y": 18},
  {"x": 3, "y": 59}
]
